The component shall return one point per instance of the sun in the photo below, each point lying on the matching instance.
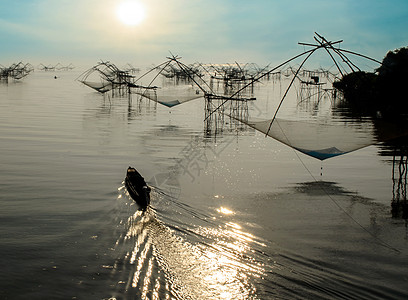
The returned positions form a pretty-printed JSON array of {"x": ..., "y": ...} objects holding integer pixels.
[{"x": 131, "y": 13}]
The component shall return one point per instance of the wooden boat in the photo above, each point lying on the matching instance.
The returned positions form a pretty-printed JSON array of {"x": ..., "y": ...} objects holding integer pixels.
[{"x": 137, "y": 188}]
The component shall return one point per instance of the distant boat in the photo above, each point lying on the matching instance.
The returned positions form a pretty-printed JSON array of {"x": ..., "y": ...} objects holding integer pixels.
[{"x": 137, "y": 188}]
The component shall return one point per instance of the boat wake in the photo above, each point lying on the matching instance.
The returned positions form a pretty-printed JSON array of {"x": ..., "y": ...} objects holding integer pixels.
[{"x": 197, "y": 256}]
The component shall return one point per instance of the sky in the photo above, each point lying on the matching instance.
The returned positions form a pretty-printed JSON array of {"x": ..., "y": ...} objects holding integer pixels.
[{"x": 207, "y": 31}]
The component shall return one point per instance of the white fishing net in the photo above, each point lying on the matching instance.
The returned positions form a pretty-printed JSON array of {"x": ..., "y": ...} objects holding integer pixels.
[{"x": 317, "y": 139}]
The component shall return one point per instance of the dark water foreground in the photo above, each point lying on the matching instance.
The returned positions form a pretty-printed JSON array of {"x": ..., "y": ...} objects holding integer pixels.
[{"x": 233, "y": 217}]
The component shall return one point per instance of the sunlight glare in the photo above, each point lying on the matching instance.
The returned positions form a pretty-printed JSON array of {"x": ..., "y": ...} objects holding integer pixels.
[
  {"x": 225, "y": 211},
  {"x": 131, "y": 12}
]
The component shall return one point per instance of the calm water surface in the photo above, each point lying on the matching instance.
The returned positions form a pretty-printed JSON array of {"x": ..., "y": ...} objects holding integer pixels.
[{"x": 233, "y": 216}]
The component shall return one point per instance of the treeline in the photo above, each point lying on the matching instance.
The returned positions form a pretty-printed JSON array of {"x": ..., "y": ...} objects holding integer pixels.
[{"x": 382, "y": 93}]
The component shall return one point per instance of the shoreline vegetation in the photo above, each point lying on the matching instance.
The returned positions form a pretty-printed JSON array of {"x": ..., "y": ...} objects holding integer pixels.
[{"x": 380, "y": 94}]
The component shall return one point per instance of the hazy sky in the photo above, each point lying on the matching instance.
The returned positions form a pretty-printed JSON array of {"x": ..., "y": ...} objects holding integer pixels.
[{"x": 217, "y": 31}]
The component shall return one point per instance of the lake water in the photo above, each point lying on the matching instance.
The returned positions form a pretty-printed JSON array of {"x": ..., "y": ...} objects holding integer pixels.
[{"x": 233, "y": 215}]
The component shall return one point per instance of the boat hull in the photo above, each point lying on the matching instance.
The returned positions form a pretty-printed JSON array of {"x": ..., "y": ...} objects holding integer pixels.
[{"x": 137, "y": 188}]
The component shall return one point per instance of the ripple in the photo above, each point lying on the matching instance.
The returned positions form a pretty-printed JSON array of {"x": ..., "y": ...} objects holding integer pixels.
[{"x": 215, "y": 260}]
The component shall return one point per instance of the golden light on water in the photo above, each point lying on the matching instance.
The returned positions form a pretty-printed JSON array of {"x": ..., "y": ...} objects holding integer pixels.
[
  {"x": 234, "y": 225},
  {"x": 220, "y": 264},
  {"x": 225, "y": 211}
]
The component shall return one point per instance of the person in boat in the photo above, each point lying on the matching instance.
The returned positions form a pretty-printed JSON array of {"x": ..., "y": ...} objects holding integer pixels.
[{"x": 137, "y": 187}]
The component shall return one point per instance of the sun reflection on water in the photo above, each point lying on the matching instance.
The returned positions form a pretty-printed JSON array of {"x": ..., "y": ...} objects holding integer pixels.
[
  {"x": 221, "y": 265},
  {"x": 225, "y": 211}
]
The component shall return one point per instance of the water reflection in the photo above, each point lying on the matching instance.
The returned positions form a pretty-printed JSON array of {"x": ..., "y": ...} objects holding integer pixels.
[
  {"x": 350, "y": 203},
  {"x": 321, "y": 188},
  {"x": 212, "y": 257},
  {"x": 119, "y": 108},
  {"x": 224, "y": 121},
  {"x": 397, "y": 152},
  {"x": 399, "y": 204}
]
